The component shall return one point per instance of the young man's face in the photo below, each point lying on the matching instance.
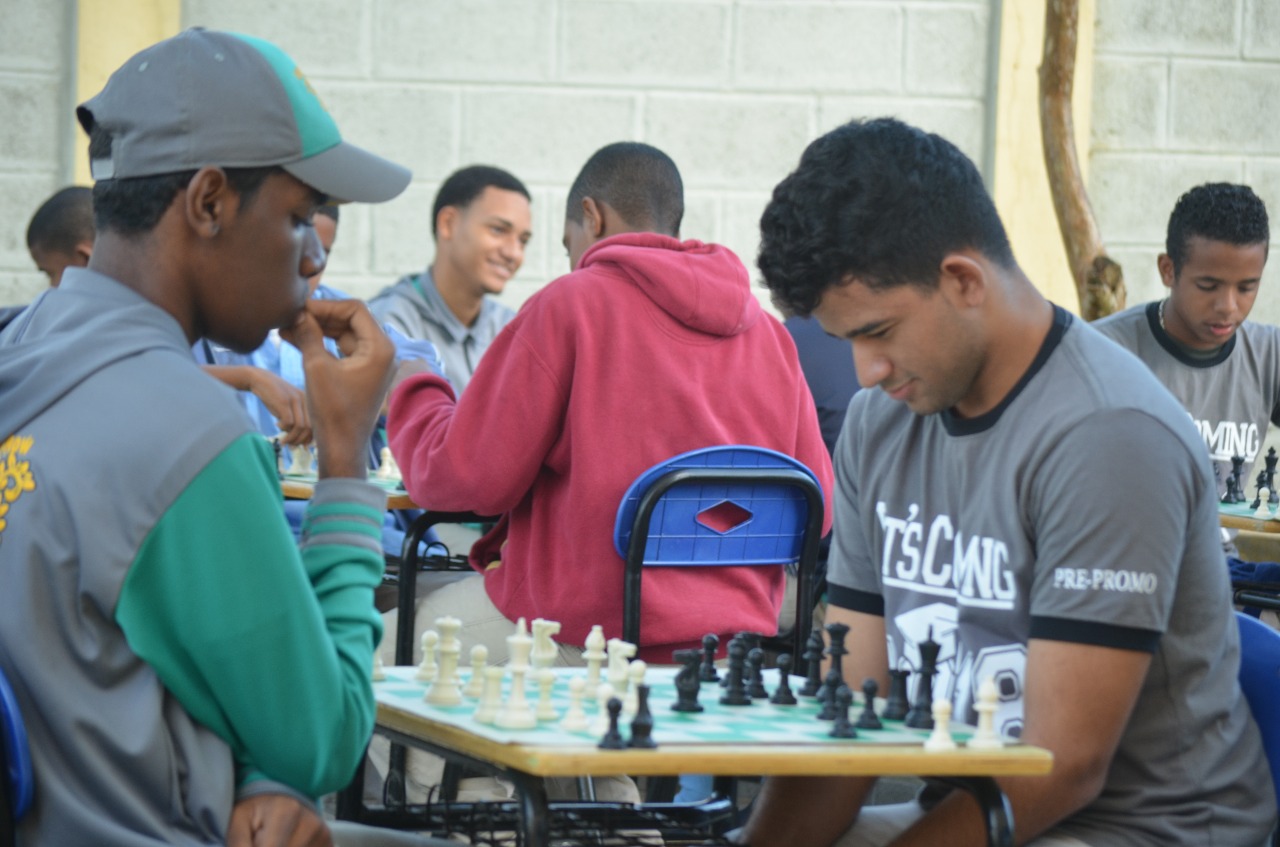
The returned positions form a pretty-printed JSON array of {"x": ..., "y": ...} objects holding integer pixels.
[
  {"x": 907, "y": 340},
  {"x": 53, "y": 262},
  {"x": 266, "y": 252},
  {"x": 482, "y": 244},
  {"x": 1214, "y": 291}
]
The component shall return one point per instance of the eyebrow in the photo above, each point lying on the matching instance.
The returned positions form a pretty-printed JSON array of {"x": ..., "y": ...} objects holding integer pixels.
[
  {"x": 1220, "y": 280},
  {"x": 865, "y": 329}
]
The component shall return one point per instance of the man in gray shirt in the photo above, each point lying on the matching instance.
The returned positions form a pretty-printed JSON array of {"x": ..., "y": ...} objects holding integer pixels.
[
  {"x": 1223, "y": 368},
  {"x": 987, "y": 492},
  {"x": 481, "y": 223}
]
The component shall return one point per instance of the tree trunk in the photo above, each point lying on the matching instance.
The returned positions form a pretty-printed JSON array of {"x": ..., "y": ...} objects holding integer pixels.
[{"x": 1099, "y": 279}]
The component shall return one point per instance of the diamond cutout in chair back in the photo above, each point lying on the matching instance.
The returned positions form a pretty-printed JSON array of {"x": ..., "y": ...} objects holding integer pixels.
[{"x": 724, "y": 517}]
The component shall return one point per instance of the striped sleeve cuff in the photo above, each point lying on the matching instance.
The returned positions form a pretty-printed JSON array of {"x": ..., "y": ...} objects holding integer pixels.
[{"x": 345, "y": 511}]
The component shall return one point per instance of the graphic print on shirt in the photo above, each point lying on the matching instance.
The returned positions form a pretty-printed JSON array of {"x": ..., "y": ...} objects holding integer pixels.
[
  {"x": 1230, "y": 438},
  {"x": 16, "y": 477}
]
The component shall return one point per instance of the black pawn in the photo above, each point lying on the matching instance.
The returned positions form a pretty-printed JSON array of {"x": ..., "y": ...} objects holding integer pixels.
[
  {"x": 827, "y": 697},
  {"x": 921, "y": 714},
  {"x": 783, "y": 696},
  {"x": 710, "y": 643},
  {"x": 612, "y": 738},
  {"x": 687, "y": 682},
  {"x": 843, "y": 699},
  {"x": 896, "y": 705},
  {"x": 868, "y": 719},
  {"x": 735, "y": 680},
  {"x": 755, "y": 677},
  {"x": 642, "y": 723},
  {"x": 813, "y": 662}
]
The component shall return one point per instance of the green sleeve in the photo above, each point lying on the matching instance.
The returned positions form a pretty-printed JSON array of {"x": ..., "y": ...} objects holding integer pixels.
[{"x": 269, "y": 647}]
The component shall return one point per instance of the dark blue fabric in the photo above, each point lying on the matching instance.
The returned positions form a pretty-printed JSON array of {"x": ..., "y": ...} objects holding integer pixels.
[
  {"x": 827, "y": 363},
  {"x": 1264, "y": 576}
]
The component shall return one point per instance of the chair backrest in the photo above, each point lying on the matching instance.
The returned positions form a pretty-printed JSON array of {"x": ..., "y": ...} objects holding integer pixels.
[
  {"x": 728, "y": 505},
  {"x": 19, "y": 778},
  {"x": 1260, "y": 679}
]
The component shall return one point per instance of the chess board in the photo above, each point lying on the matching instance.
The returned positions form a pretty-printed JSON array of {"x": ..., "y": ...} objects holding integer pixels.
[
  {"x": 761, "y": 723},
  {"x": 392, "y": 485},
  {"x": 1242, "y": 510}
]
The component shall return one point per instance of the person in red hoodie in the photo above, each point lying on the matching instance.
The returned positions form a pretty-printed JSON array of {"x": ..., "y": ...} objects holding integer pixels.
[{"x": 649, "y": 348}]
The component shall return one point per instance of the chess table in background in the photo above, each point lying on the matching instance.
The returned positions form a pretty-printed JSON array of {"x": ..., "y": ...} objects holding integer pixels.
[
  {"x": 1241, "y": 516},
  {"x": 301, "y": 486}
]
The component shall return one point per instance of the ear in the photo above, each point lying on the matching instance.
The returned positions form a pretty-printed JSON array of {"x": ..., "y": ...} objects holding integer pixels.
[
  {"x": 963, "y": 279},
  {"x": 446, "y": 220},
  {"x": 593, "y": 218},
  {"x": 1165, "y": 265},
  {"x": 82, "y": 252},
  {"x": 209, "y": 202}
]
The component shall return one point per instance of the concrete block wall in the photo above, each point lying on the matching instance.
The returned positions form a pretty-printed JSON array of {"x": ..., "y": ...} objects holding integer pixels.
[
  {"x": 1185, "y": 92},
  {"x": 732, "y": 89},
  {"x": 35, "y": 117}
]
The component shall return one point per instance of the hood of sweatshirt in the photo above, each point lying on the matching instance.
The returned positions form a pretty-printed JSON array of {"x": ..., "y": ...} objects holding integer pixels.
[
  {"x": 67, "y": 334},
  {"x": 703, "y": 286}
]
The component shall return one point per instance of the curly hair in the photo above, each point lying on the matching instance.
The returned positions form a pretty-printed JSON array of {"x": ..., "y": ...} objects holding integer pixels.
[
  {"x": 877, "y": 201},
  {"x": 1218, "y": 211}
]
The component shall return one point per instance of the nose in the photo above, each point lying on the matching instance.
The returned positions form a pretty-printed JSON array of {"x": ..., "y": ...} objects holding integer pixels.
[
  {"x": 513, "y": 250},
  {"x": 312, "y": 261},
  {"x": 1227, "y": 300},
  {"x": 872, "y": 369}
]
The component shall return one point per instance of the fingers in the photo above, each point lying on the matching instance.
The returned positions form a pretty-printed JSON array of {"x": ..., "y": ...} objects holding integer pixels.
[
  {"x": 306, "y": 333},
  {"x": 276, "y": 820},
  {"x": 348, "y": 322}
]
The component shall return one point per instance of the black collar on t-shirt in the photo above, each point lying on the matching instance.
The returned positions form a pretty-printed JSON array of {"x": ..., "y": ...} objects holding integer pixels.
[
  {"x": 1179, "y": 351},
  {"x": 968, "y": 426}
]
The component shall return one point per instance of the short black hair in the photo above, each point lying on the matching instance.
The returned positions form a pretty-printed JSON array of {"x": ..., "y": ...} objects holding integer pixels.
[
  {"x": 467, "y": 184},
  {"x": 1218, "y": 211},
  {"x": 63, "y": 221},
  {"x": 877, "y": 201},
  {"x": 134, "y": 206},
  {"x": 638, "y": 181}
]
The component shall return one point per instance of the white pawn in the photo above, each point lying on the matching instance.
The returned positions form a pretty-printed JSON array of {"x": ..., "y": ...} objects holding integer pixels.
[
  {"x": 427, "y": 668},
  {"x": 546, "y": 710},
  {"x": 986, "y": 738},
  {"x": 635, "y": 675},
  {"x": 445, "y": 691},
  {"x": 575, "y": 719},
  {"x": 595, "y": 657},
  {"x": 604, "y": 691},
  {"x": 379, "y": 672},
  {"x": 941, "y": 739},
  {"x": 475, "y": 685},
  {"x": 387, "y": 467},
  {"x": 491, "y": 698},
  {"x": 1264, "y": 510}
]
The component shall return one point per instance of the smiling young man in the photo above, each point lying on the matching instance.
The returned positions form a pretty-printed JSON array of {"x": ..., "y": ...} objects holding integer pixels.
[
  {"x": 481, "y": 224},
  {"x": 1198, "y": 341},
  {"x": 981, "y": 496},
  {"x": 187, "y": 673}
]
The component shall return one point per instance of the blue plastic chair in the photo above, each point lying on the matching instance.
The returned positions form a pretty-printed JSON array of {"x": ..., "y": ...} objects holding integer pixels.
[
  {"x": 1260, "y": 680},
  {"x": 19, "y": 779},
  {"x": 728, "y": 505}
]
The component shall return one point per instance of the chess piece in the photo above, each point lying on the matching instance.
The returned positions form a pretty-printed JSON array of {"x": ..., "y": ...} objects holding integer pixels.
[
  {"x": 379, "y": 672},
  {"x": 475, "y": 685},
  {"x": 688, "y": 680},
  {"x": 842, "y": 699},
  {"x": 896, "y": 704},
  {"x": 783, "y": 695},
  {"x": 445, "y": 690},
  {"x": 940, "y": 739},
  {"x": 642, "y": 723},
  {"x": 387, "y": 467},
  {"x": 612, "y": 738},
  {"x": 427, "y": 668},
  {"x": 594, "y": 656},
  {"x": 635, "y": 678},
  {"x": 491, "y": 697},
  {"x": 516, "y": 712},
  {"x": 575, "y": 718},
  {"x": 1261, "y": 483},
  {"x": 813, "y": 662},
  {"x": 1235, "y": 487},
  {"x": 755, "y": 674},
  {"x": 279, "y": 451},
  {"x": 1263, "y": 509},
  {"x": 618, "y": 653},
  {"x": 920, "y": 716},
  {"x": 836, "y": 632},
  {"x": 299, "y": 459},
  {"x": 546, "y": 711},
  {"x": 1270, "y": 473},
  {"x": 986, "y": 738},
  {"x": 544, "y": 648},
  {"x": 868, "y": 718},
  {"x": 708, "y": 672},
  {"x": 604, "y": 693},
  {"x": 736, "y": 688},
  {"x": 827, "y": 696}
]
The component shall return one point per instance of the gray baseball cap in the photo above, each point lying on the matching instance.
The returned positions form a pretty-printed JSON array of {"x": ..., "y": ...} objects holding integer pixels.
[{"x": 205, "y": 98}]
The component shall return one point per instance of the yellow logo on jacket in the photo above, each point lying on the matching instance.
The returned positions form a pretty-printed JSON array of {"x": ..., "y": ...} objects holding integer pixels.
[{"x": 16, "y": 478}]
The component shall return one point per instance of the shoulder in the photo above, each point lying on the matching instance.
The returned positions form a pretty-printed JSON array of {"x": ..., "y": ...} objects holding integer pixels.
[{"x": 1124, "y": 327}]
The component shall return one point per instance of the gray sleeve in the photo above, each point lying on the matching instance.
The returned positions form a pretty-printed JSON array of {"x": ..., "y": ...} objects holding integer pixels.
[
  {"x": 1113, "y": 509},
  {"x": 852, "y": 578}
]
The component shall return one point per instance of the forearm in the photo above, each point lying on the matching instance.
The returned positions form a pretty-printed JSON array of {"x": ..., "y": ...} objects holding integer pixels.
[
  {"x": 239, "y": 377},
  {"x": 804, "y": 811}
]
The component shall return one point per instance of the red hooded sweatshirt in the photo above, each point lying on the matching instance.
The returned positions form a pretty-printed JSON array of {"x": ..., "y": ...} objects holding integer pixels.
[{"x": 651, "y": 348}]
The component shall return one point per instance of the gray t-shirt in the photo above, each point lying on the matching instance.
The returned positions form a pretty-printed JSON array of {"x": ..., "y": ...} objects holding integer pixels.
[
  {"x": 1230, "y": 396},
  {"x": 1080, "y": 509},
  {"x": 414, "y": 306}
]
